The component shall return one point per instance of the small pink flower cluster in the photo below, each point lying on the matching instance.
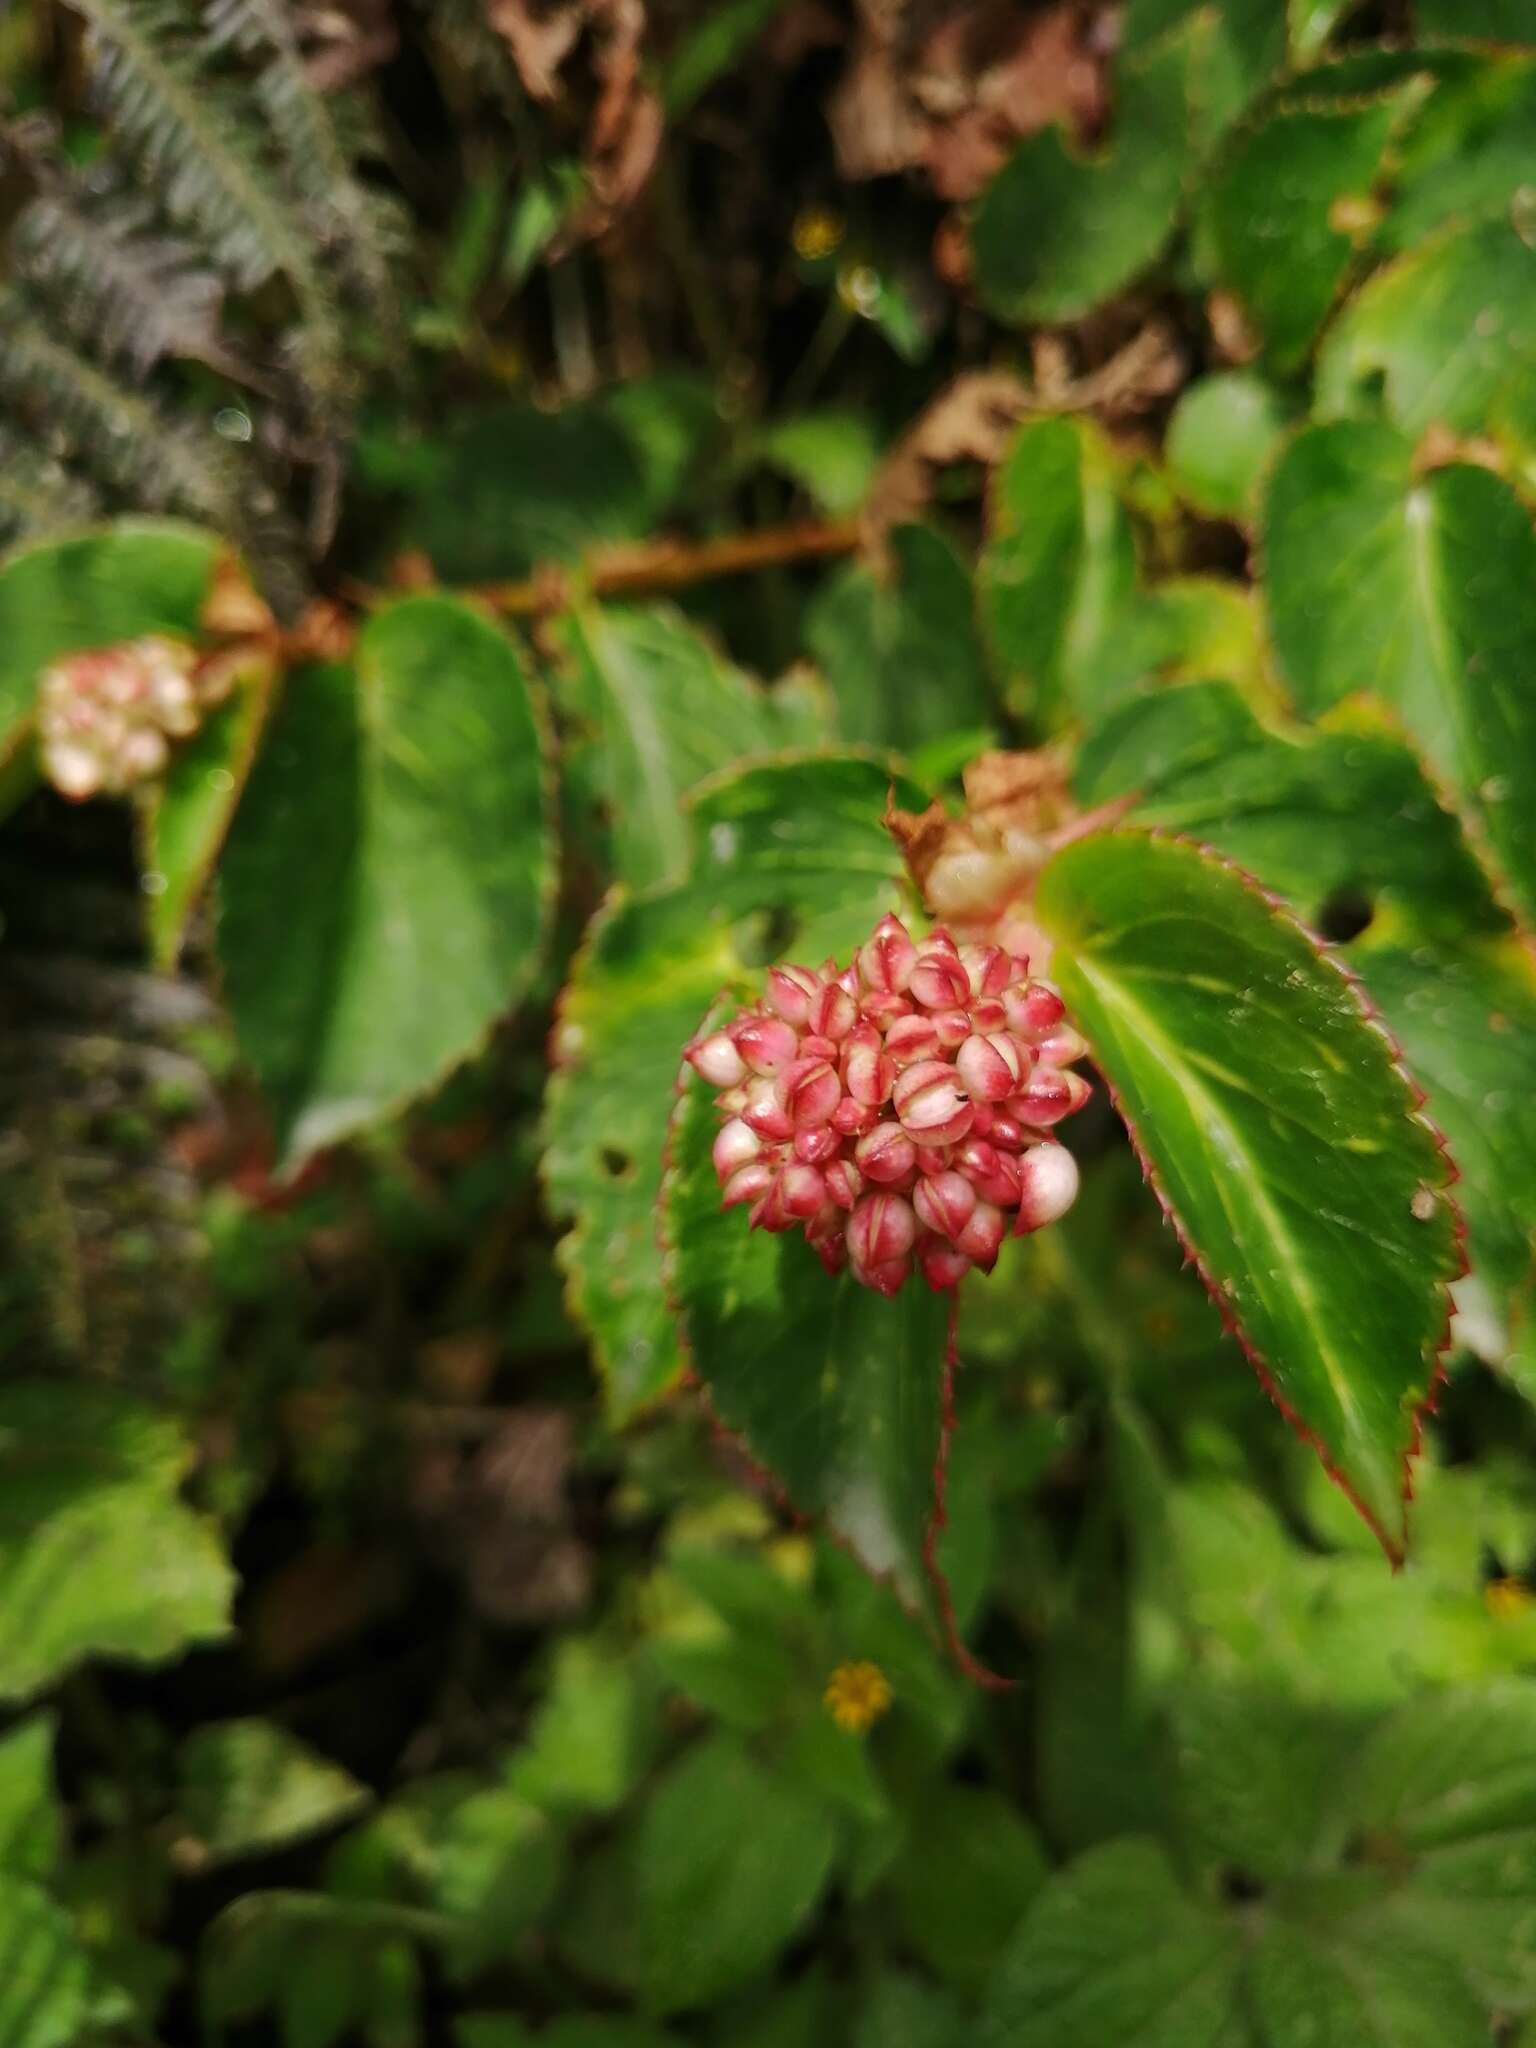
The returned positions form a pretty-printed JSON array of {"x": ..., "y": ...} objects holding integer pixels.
[
  {"x": 898, "y": 1110},
  {"x": 106, "y": 717}
]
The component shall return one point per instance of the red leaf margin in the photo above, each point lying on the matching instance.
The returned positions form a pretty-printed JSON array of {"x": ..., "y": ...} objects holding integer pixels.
[{"x": 1417, "y": 1100}]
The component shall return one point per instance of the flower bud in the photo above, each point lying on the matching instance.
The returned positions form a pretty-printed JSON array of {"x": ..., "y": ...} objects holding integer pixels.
[
  {"x": 990, "y": 1067},
  {"x": 809, "y": 1091},
  {"x": 834, "y": 1012},
  {"x": 928, "y": 1100},
  {"x": 982, "y": 1235},
  {"x": 881, "y": 1229},
  {"x": 942, "y": 1265},
  {"x": 987, "y": 968},
  {"x": 911, "y": 1038},
  {"x": 1007, "y": 1134},
  {"x": 1034, "y": 1008},
  {"x": 818, "y": 1145},
  {"x": 882, "y": 1010},
  {"x": 944, "y": 1203},
  {"x": 1050, "y": 1094},
  {"x": 939, "y": 982},
  {"x": 717, "y": 1060},
  {"x": 852, "y": 1118},
  {"x": 736, "y": 1145},
  {"x": 885, "y": 1154},
  {"x": 1062, "y": 1046},
  {"x": 764, "y": 1112},
  {"x": 791, "y": 992},
  {"x": 1048, "y": 1181},
  {"x": 887, "y": 958},
  {"x": 867, "y": 1071},
  {"x": 767, "y": 1044},
  {"x": 1001, "y": 1185},
  {"x": 844, "y": 1183},
  {"x": 989, "y": 1014},
  {"x": 953, "y": 1028},
  {"x": 747, "y": 1184}
]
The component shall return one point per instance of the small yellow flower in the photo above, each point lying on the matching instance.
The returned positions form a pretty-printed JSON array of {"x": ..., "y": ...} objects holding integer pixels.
[
  {"x": 856, "y": 1696},
  {"x": 1505, "y": 1598},
  {"x": 817, "y": 232}
]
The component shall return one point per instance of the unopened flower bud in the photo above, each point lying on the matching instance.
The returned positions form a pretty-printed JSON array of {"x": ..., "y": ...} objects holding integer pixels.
[
  {"x": 868, "y": 1071},
  {"x": 717, "y": 1059},
  {"x": 767, "y": 1044},
  {"x": 1059, "y": 1048},
  {"x": 791, "y": 993},
  {"x": 881, "y": 1229},
  {"x": 834, "y": 1013},
  {"x": 1034, "y": 1009},
  {"x": 928, "y": 1100},
  {"x": 844, "y": 1183},
  {"x": 1048, "y": 1182},
  {"x": 944, "y": 1203},
  {"x": 990, "y": 1067},
  {"x": 987, "y": 969},
  {"x": 941, "y": 1264},
  {"x": 952, "y": 1028},
  {"x": 737, "y": 1144},
  {"x": 911, "y": 1038},
  {"x": 809, "y": 1091},
  {"x": 982, "y": 1235},
  {"x": 885, "y": 1154},
  {"x": 852, "y": 1118},
  {"x": 747, "y": 1184},
  {"x": 887, "y": 958},
  {"x": 881, "y": 1009},
  {"x": 939, "y": 982},
  {"x": 764, "y": 1113},
  {"x": 818, "y": 1145},
  {"x": 1050, "y": 1094}
]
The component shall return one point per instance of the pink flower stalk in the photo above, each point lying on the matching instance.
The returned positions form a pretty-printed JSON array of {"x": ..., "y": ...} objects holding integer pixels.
[{"x": 897, "y": 1110}]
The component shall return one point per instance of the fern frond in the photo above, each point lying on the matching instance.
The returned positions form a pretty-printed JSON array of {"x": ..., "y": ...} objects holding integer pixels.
[
  {"x": 38, "y": 494},
  {"x": 317, "y": 154},
  {"x": 195, "y": 144},
  {"x": 136, "y": 295}
]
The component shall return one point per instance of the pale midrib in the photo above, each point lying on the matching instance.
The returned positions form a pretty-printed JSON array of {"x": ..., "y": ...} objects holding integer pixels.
[
  {"x": 1443, "y": 665},
  {"x": 637, "y": 717},
  {"x": 1205, "y": 1106}
]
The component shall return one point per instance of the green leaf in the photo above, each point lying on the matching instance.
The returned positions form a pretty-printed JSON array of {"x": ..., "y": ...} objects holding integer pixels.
[
  {"x": 1424, "y": 591},
  {"x": 97, "y": 1555},
  {"x": 386, "y": 885},
  {"x": 1496, "y": 21},
  {"x": 902, "y": 654},
  {"x": 1059, "y": 567},
  {"x": 1468, "y": 155},
  {"x": 46, "y": 1980},
  {"x": 501, "y": 489},
  {"x": 837, "y": 1391},
  {"x": 790, "y": 858},
  {"x": 1344, "y": 818},
  {"x": 499, "y": 1863},
  {"x": 248, "y": 1787},
  {"x": 1056, "y": 233},
  {"x": 728, "y": 1865},
  {"x": 1466, "y": 1022},
  {"x": 31, "y": 1819},
  {"x": 707, "y": 50},
  {"x": 1223, "y": 432},
  {"x": 187, "y": 819},
  {"x": 590, "y": 1737},
  {"x": 114, "y": 583},
  {"x": 1347, "y": 1984},
  {"x": 1447, "y": 336},
  {"x": 832, "y": 455},
  {"x": 1281, "y": 1136},
  {"x": 324, "y": 1964},
  {"x": 1271, "y": 216},
  {"x": 670, "y": 709},
  {"x": 898, "y": 2011},
  {"x": 571, "y": 2030},
  {"x": 970, "y": 1867},
  {"x": 1113, "y": 1955}
]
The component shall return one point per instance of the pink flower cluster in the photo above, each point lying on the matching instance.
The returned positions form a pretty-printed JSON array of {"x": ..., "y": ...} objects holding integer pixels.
[
  {"x": 106, "y": 717},
  {"x": 897, "y": 1110}
]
